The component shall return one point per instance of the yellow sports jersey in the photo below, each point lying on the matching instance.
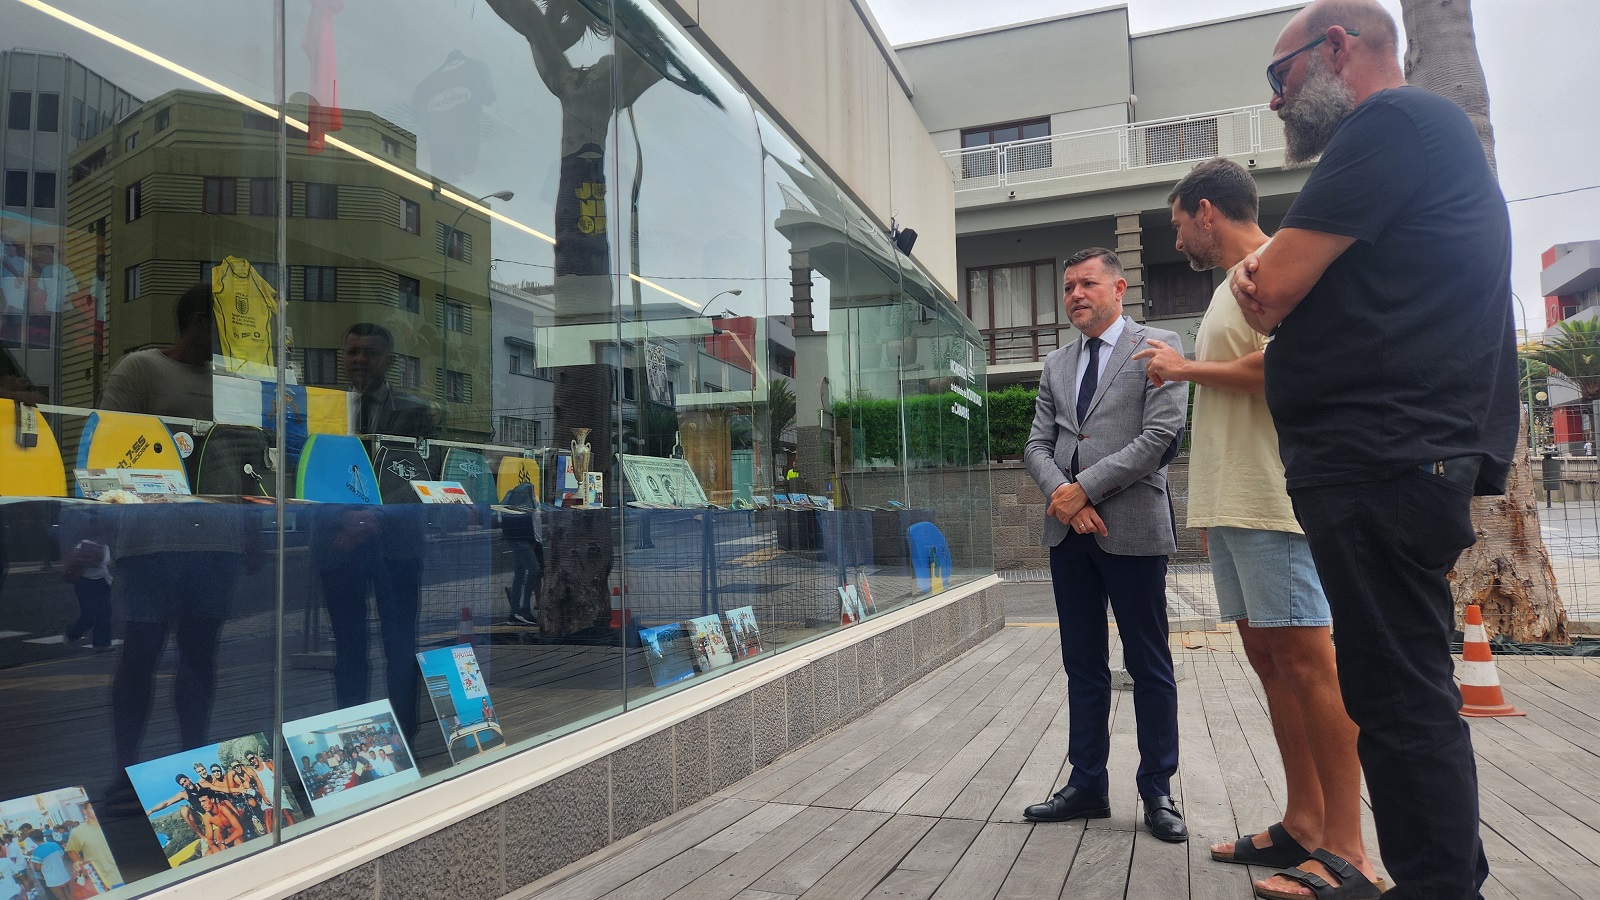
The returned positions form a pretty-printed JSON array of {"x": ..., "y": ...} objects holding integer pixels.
[{"x": 247, "y": 309}]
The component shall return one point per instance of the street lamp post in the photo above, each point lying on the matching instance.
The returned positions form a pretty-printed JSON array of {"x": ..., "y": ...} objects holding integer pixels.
[{"x": 444, "y": 344}]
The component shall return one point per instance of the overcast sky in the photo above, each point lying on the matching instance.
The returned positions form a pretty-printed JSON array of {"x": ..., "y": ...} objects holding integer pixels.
[{"x": 1537, "y": 56}]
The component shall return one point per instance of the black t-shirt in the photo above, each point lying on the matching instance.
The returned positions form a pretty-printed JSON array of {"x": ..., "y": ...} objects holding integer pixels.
[{"x": 1403, "y": 352}]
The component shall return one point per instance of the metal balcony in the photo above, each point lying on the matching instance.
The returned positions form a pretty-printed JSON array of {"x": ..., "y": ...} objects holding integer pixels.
[{"x": 1233, "y": 132}]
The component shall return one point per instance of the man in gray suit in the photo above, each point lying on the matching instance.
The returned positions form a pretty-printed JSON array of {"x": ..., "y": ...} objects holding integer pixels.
[{"x": 1102, "y": 437}]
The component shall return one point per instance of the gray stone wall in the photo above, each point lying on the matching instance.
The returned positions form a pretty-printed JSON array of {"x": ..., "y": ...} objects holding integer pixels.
[
  {"x": 563, "y": 820},
  {"x": 1018, "y": 514}
]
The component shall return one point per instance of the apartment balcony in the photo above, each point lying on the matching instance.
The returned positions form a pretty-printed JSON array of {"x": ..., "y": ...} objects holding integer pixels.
[{"x": 1105, "y": 159}]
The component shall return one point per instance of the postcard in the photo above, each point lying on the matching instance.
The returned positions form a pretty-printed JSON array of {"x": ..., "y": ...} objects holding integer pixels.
[{"x": 349, "y": 754}]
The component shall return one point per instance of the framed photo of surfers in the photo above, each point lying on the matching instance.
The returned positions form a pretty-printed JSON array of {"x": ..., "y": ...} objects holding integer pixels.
[
  {"x": 349, "y": 754},
  {"x": 206, "y": 800}
]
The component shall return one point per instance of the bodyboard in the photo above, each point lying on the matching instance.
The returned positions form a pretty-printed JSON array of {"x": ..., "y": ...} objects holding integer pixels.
[
  {"x": 233, "y": 462},
  {"x": 29, "y": 471},
  {"x": 334, "y": 468},
  {"x": 515, "y": 470},
  {"x": 397, "y": 466},
  {"x": 119, "y": 440},
  {"x": 471, "y": 469}
]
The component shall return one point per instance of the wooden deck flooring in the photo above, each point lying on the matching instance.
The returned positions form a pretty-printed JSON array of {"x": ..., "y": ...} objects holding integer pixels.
[{"x": 922, "y": 798}]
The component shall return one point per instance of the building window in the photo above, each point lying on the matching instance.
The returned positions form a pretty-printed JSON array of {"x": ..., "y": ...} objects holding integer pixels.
[
  {"x": 163, "y": 120},
  {"x": 1016, "y": 309},
  {"x": 263, "y": 196},
  {"x": 222, "y": 196},
  {"x": 391, "y": 147},
  {"x": 135, "y": 200},
  {"x": 408, "y": 371},
  {"x": 131, "y": 143},
  {"x": 16, "y": 187},
  {"x": 322, "y": 366},
  {"x": 19, "y": 111},
  {"x": 92, "y": 125},
  {"x": 1035, "y": 155},
  {"x": 410, "y": 216},
  {"x": 44, "y": 190},
  {"x": 524, "y": 359},
  {"x": 457, "y": 318},
  {"x": 130, "y": 281},
  {"x": 322, "y": 201},
  {"x": 77, "y": 119},
  {"x": 454, "y": 243},
  {"x": 1175, "y": 289},
  {"x": 268, "y": 273},
  {"x": 322, "y": 284},
  {"x": 206, "y": 268},
  {"x": 458, "y": 387},
  {"x": 49, "y": 116},
  {"x": 410, "y": 294},
  {"x": 518, "y": 431},
  {"x": 258, "y": 122}
]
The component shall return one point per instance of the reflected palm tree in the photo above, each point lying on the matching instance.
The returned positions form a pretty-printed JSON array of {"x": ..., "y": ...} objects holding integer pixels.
[{"x": 592, "y": 94}]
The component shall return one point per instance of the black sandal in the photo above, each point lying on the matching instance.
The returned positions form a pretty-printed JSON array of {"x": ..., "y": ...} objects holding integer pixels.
[
  {"x": 1352, "y": 884},
  {"x": 1284, "y": 851}
]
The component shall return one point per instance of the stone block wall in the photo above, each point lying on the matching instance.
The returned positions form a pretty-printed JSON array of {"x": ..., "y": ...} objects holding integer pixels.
[
  {"x": 563, "y": 820},
  {"x": 1018, "y": 517}
]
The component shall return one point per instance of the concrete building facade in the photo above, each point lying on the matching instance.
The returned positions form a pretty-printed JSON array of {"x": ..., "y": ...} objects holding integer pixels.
[{"x": 1068, "y": 132}]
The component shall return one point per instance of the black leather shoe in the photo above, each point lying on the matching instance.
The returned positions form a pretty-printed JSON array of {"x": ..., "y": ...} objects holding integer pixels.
[
  {"x": 1165, "y": 822},
  {"x": 1067, "y": 804}
]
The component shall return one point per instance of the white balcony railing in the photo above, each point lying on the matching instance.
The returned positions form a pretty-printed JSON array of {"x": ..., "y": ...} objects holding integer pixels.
[{"x": 1233, "y": 132}]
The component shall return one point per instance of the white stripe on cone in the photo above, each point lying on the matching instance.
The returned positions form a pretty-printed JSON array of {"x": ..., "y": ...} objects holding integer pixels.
[
  {"x": 1477, "y": 674},
  {"x": 1475, "y": 634}
]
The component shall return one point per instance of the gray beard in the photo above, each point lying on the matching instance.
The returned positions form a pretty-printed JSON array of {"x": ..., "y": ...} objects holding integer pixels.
[{"x": 1309, "y": 123}]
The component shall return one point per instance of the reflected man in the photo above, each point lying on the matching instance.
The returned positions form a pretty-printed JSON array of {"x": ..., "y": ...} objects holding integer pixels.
[
  {"x": 376, "y": 550},
  {"x": 179, "y": 562}
]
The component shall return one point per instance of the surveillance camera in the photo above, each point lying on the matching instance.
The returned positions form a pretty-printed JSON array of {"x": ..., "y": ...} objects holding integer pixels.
[{"x": 1251, "y": 162}]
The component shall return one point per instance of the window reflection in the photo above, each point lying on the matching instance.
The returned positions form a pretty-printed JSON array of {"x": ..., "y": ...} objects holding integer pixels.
[{"x": 546, "y": 260}]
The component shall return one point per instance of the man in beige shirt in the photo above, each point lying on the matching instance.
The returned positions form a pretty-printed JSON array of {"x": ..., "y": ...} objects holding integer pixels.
[{"x": 1265, "y": 578}]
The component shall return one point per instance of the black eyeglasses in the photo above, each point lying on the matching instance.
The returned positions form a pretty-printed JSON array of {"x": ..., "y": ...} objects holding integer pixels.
[{"x": 1276, "y": 80}]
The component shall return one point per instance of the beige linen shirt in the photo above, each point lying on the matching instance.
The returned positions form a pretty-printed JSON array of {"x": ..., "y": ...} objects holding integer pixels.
[{"x": 1235, "y": 473}]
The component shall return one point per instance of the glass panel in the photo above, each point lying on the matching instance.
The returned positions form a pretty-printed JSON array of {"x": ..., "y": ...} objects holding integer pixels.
[
  {"x": 542, "y": 257},
  {"x": 153, "y": 624}
]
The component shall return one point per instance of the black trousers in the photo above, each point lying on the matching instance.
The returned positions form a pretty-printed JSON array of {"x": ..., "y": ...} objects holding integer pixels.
[
  {"x": 1085, "y": 577},
  {"x": 1383, "y": 549}
]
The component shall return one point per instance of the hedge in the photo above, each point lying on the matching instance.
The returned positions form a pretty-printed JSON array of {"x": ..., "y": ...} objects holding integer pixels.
[{"x": 998, "y": 428}]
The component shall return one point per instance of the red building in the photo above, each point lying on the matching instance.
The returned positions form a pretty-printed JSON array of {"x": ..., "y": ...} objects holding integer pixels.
[{"x": 1570, "y": 280}]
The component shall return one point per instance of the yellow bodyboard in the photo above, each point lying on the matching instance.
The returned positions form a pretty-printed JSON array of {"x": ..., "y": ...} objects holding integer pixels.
[
  {"x": 29, "y": 471},
  {"x": 118, "y": 440},
  {"x": 515, "y": 470}
]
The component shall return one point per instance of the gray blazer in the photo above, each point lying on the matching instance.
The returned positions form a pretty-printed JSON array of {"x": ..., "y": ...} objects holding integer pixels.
[{"x": 1123, "y": 444}]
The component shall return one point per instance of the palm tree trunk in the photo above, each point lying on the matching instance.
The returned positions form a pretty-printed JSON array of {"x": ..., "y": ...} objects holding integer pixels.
[{"x": 1508, "y": 571}]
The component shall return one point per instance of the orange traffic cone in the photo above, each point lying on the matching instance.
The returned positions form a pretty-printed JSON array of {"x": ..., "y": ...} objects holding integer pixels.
[{"x": 1481, "y": 696}]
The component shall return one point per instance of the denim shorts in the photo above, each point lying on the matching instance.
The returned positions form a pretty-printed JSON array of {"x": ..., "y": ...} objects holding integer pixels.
[{"x": 1267, "y": 577}]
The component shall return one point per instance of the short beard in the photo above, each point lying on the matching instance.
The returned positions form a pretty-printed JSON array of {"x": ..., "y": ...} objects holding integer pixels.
[
  {"x": 1310, "y": 121},
  {"x": 1204, "y": 258}
]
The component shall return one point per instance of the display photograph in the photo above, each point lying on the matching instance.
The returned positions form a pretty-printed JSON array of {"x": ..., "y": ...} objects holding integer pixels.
[
  {"x": 746, "y": 635},
  {"x": 666, "y": 649},
  {"x": 460, "y": 697},
  {"x": 709, "y": 642},
  {"x": 349, "y": 754},
  {"x": 54, "y": 848},
  {"x": 203, "y": 801}
]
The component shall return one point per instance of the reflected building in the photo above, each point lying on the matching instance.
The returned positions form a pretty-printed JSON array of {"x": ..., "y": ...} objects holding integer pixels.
[
  {"x": 52, "y": 105},
  {"x": 159, "y": 199}
]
